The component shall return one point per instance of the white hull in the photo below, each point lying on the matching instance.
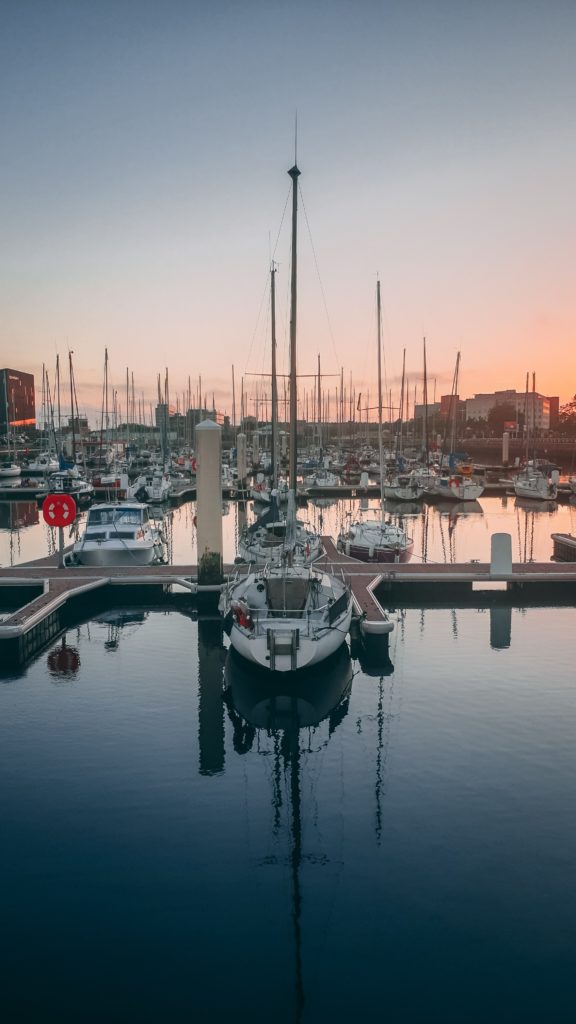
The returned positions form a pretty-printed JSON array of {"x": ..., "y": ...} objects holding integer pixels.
[
  {"x": 458, "y": 490},
  {"x": 310, "y": 652},
  {"x": 536, "y": 487},
  {"x": 412, "y": 492},
  {"x": 265, "y": 629},
  {"x": 262, "y": 546},
  {"x": 118, "y": 533},
  {"x": 7, "y": 472},
  {"x": 113, "y": 553}
]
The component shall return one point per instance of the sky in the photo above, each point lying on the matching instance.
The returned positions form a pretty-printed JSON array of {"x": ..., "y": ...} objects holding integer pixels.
[{"x": 143, "y": 191}]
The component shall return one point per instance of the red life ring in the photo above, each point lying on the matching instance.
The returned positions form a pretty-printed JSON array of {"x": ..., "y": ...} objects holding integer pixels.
[
  {"x": 59, "y": 509},
  {"x": 193, "y": 465}
]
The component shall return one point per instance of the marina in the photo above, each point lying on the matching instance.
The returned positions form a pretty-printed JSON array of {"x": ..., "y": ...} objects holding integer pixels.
[
  {"x": 39, "y": 598},
  {"x": 287, "y": 513}
]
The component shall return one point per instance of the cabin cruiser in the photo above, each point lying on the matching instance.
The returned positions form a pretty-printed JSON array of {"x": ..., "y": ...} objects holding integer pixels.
[{"x": 118, "y": 533}]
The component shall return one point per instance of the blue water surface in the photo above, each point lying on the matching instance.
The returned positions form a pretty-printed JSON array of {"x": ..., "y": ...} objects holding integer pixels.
[{"x": 393, "y": 842}]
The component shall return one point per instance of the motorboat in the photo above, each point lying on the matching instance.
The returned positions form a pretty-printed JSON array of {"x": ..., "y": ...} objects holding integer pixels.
[{"x": 118, "y": 533}]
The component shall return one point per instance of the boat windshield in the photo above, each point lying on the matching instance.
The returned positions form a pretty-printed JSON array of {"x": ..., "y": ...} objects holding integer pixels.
[{"x": 116, "y": 516}]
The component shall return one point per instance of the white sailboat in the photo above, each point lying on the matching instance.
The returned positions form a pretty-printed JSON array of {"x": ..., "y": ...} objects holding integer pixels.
[
  {"x": 375, "y": 539},
  {"x": 275, "y": 537},
  {"x": 531, "y": 482},
  {"x": 287, "y": 617},
  {"x": 451, "y": 485}
]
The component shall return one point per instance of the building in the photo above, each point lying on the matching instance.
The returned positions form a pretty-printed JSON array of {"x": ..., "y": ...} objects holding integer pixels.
[
  {"x": 538, "y": 410},
  {"x": 17, "y": 401}
]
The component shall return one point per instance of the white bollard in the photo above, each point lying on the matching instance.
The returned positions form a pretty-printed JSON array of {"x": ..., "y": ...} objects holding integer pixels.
[
  {"x": 209, "y": 502},
  {"x": 505, "y": 448}
]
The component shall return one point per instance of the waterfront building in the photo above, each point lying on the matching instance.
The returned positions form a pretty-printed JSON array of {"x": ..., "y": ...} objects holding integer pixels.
[
  {"x": 17, "y": 401},
  {"x": 539, "y": 410}
]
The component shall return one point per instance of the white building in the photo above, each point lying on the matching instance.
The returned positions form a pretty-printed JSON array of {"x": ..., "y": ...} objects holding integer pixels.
[{"x": 535, "y": 407}]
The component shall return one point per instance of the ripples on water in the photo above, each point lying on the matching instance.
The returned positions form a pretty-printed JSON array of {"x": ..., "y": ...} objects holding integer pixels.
[{"x": 391, "y": 840}]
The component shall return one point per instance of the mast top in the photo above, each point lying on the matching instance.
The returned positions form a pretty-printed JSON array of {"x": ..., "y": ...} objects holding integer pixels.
[{"x": 294, "y": 172}]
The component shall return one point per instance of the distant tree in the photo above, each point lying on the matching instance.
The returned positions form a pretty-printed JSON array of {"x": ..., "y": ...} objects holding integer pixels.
[
  {"x": 501, "y": 414},
  {"x": 567, "y": 418}
]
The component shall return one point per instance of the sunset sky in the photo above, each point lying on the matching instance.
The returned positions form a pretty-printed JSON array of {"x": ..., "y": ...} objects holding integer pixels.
[{"x": 143, "y": 178}]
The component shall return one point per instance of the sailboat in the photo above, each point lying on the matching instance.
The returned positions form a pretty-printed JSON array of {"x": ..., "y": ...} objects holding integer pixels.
[
  {"x": 270, "y": 537},
  {"x": 452, "y": 485},
  {"x": 400, "y": 484},
  {"x": 531, "y": 482},
  {"x": 376, "y": 540},
  {"x": 285, "y": 617}
]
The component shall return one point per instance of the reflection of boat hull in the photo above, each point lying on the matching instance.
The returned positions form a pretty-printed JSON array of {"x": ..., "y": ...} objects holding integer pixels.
[
  {"x": 311, "y": 697},
  {"x": 536, "y": 505},
  {"x": 460, "y": 508}
]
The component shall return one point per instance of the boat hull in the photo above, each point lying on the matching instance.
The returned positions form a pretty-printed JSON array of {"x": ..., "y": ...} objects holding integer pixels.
[
  {"x": 311, "y": 650},
  {"x": 113, "y": 554},
  {"x": 385, "y": 556}
]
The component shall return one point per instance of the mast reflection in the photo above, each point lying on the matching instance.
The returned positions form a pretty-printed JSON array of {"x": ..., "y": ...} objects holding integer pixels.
[{"x": 288, "y": 712}]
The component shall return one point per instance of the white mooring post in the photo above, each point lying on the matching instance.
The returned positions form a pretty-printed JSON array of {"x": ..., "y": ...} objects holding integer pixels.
[
  {"x": 209, "y": 502},
  {"x": 505, "y": 448},
  {"x": 501, "y": 554}
]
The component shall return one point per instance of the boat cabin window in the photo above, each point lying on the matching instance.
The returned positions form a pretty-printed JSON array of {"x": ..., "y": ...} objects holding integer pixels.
[{"x": 114, "y": 516}]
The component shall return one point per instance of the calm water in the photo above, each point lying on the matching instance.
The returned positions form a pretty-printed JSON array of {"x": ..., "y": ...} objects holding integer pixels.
[
  {"x": 445, "y": 532},
  {"x": 180, "y": 843}
]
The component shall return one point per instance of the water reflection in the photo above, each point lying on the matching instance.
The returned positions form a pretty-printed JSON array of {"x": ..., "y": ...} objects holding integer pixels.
[
  {"x": 284, "y": 721},
  {"x": 63, "y": 661},
  {"x": 211, "y": 658},
  {"x": 117, "y": 621}
]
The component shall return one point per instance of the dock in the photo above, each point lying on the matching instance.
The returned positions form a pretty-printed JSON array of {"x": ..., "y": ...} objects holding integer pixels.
[{"x": 38, "y": 600}]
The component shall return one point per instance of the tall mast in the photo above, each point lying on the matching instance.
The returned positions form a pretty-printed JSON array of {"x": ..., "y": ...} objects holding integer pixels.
[
  {"x": 294, "y": 174},
  {"x": 380, "y": 449},
  {"x": 72, "y": 406},
  {"x": 425, "y": 401},
  {"x": 233, "y": 399},
  {"x": 319, "y": 406},
  {"x": 274, "y": 409}
]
